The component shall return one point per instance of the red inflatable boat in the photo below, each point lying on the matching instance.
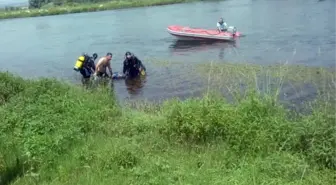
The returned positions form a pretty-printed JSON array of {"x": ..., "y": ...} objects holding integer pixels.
[{"x": 183, "y": 32}]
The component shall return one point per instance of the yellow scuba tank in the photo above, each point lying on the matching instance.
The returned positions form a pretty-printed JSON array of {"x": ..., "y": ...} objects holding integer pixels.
[
  {"x": 143, "y": 72},
  {"x": 79, "y": 63}
]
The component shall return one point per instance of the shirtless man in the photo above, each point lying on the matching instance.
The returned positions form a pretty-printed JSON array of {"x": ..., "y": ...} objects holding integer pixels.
[{"x": 102, "y": 64}]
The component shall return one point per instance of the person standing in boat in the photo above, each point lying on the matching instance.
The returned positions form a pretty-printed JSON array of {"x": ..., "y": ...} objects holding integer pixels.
[{"x": 221, "y": 25}]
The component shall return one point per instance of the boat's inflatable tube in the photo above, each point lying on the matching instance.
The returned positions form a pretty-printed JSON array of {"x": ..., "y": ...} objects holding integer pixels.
[{"x": 183, "y": 32}]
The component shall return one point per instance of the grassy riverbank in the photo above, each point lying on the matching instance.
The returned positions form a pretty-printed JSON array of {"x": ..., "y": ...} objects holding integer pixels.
[
  {"x": 55, "y": 133},
  {"x": 86, "y": 7}
]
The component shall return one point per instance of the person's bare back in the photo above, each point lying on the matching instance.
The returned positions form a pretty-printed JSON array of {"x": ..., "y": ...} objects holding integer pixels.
[{"x": 102, "y": 64}]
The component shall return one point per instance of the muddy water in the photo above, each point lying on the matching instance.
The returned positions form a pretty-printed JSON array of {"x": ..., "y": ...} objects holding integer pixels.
[{"x": 299, "y": 32}]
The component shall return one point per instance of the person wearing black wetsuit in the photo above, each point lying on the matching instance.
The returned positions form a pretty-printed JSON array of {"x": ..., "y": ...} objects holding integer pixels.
[
  {"x": 132, "y": 65},
  {"x": 88, "y": 66}
]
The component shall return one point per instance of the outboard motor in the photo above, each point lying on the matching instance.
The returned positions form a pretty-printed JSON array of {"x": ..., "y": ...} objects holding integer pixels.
[{"x": 234, "y": 31}]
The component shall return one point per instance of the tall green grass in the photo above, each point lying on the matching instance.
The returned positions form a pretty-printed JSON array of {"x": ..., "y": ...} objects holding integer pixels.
[
  {"x": 55, "y": 133},
  {"x": 85, "y": 7}
]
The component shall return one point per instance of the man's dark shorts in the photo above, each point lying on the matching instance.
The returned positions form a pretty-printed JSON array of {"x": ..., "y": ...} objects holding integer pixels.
[{"x": 102, "y": 74}]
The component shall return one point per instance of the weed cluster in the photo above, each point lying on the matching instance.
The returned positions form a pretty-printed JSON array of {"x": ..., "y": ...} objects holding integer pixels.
[
  {"x": 254, "y": 125},
  {"x": 54, "y": 133},
  {"x": 45, "y": 118}
]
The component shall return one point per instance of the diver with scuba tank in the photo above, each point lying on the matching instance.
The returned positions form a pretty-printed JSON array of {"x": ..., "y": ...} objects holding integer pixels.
[
  {"x": 85, "y": 64},
  {"x": 132, "y": 66}
]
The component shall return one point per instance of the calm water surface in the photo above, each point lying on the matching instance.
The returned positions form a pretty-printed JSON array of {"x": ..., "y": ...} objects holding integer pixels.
[{"x": 297, "y": 31}]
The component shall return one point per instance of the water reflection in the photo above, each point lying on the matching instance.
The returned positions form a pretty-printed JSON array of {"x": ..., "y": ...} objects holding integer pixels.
[
  {"x": 134, "y": 86},
  {"x": 181, "y": 46},
  {"x": 42, "y": 26}
]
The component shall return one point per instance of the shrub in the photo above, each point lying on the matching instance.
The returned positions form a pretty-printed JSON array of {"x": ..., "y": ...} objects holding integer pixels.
[
  {"x": 316, "y": 136},
  {"x": 198, "y": 120},
  {"x": 254, "y": 124},
  {"x": 10, "y": 86},
  {"x": 48, "y": 117}
]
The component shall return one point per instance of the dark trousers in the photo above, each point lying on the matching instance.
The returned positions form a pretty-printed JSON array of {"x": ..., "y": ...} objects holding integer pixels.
[{"x": 85, "y": 72}]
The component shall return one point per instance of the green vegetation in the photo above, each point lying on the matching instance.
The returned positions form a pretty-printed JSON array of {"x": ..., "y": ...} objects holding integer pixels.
[
  {"x": 52, "y": 9},
  {"x": 55, "y": 133}
]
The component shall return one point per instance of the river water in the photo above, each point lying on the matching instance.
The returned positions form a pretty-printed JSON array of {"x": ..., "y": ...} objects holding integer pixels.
[{"x": 297, "y": 31}]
